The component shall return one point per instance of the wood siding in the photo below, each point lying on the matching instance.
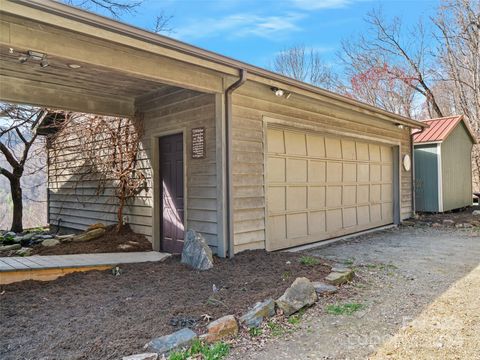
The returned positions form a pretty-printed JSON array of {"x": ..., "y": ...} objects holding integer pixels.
[
  {"x": 76, "y": 203},
  {"x": 252, "y": 104},
  {"x": 457, "y": 169},
  {"x": 426, "y": 178}
]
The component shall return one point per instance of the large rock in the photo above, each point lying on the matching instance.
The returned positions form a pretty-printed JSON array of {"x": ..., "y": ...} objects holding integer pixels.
[
  {"x": 300, "y": 294},
  {"x": 339, "y": 278},
  {"x": 24, "y": 251},
  {"x": 476, "y": 213},
  {"x": 164, "y": 344},
  {"x": 260, "y": 311},
  {"x": 10, "y": 247},
  {"x": 144, "y": 356},
  {"x": 323, "y": 289},
  {"x": 196, "y": 252},
  {"x": 89, "y": 235},
  {"x": 50, "y": 242},
  {"x": 221, "y": 328}
]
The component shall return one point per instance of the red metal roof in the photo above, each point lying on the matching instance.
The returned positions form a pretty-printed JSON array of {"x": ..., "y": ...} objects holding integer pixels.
[{"x": 439, "y": 129}]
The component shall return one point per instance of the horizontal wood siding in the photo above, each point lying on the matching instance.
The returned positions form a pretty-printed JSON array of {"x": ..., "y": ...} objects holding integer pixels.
[
  {"x": 76, "y": 202},
  {"x": 251, "y": 104}
]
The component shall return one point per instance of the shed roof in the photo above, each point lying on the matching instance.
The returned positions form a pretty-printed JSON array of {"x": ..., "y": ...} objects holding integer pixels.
[{"x": 439, "y": 129}]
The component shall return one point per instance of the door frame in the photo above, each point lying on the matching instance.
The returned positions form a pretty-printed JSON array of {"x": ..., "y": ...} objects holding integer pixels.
[
  {"x": 279, "y": 123},
  {"x": 156, "y": 180}
]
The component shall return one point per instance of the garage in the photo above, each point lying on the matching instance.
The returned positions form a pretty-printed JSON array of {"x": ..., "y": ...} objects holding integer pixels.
[{"x": 321, "y": 186}]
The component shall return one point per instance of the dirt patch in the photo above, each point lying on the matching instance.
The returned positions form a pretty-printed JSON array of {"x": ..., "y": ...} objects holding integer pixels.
[
  {"x": 124, "y": 241},
  {"x": 461, "y": 216},
  {"x": 96, "y": 315}
]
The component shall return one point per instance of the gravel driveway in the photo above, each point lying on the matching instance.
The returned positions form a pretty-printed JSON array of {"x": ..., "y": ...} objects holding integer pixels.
[{"x": 402, "y": 272}]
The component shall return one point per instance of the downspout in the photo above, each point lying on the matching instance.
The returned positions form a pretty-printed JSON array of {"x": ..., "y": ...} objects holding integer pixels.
[
  {"x": 412, "y": 151},
  {"x": 228, "y": 165}
]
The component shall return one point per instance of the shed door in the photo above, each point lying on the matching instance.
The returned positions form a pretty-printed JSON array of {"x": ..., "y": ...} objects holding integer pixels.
[{"x": 321, "y": 187}]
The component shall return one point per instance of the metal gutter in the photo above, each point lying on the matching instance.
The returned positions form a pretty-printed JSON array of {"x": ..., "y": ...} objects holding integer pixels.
[
  {"x": 228, "y": 167},
  {"x": 98, "y": 21}
]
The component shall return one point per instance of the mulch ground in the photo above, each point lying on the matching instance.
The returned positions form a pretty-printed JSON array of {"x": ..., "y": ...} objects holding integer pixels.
[
  {"x": 459, "y": 216},
  {"x": 112, "y": 241},
  {"x": 96, "y": 315}
]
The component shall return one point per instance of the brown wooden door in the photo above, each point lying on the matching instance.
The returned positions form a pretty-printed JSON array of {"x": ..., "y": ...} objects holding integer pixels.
[{"x": 171, "y": 175}]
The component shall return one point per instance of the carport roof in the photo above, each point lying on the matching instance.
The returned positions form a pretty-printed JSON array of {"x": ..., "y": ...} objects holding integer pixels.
[{"x": 439, "y": 129}]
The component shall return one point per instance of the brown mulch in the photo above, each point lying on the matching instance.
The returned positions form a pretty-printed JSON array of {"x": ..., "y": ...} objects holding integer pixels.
[
  {"x": 460, "y": 216},
  {"x": 96, "y": 315},
  {"x": 110, "y": 242}
]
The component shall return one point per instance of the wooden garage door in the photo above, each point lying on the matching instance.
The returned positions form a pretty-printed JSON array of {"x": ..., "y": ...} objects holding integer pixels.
[{"x": 320, "y": 187}]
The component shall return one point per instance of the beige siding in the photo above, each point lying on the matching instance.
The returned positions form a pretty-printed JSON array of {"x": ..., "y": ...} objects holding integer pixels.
[
  {"x": 253, "y": 105},
  {"x": 456, "y": 154},
  {"x": 75, "y": 201}
]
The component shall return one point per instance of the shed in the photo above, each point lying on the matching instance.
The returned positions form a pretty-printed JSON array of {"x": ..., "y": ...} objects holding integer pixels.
[
  {"x": 443, "y": 165},
  {"x": 247, "y": 157}
]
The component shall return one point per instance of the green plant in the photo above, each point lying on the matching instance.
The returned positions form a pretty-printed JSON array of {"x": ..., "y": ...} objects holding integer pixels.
[
  {"x": 215, "y": 351},
  {"x": 275, "y": 328},
  {"x": 255, "y": 331},
  {"x": 349, "y": 262},
  {"x": 343, "y": 309},
  {"x": 8, "y": 240},
  {"x": 286, "y": 275},
  {"x": 297, "y": 318},
  {"x": 309, "y": 261}
]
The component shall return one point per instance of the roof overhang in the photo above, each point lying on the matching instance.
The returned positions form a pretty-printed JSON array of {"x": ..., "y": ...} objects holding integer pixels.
[{"x": 51, "y": 19}]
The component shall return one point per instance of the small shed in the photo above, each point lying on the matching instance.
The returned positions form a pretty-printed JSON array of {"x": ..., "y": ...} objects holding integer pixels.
[{"x": 443, "y": 165}]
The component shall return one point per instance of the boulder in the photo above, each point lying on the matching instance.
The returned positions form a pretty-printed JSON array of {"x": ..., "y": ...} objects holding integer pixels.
[
  {"x": 10, "y": 234},
  {"x": 448, "y": 222},
  {"x": 300, "y": 294},
  {"x": 144, "y": 356},
  {"x": 164, "y": 344},
  {"x": 261, "y": 310},
  {"x": 96, "y": 226},
  {"x": 89, "y": 235},
  {"x": 24, "y": 251},
  {"x": 196, "y": 252},
  {"x": 50, "y": 242},
  {"x": 323, "y": 289},
  {"x": 221, "y": 328},
  {"x": 339, "y": 278},
  {"x": 476, "y": 213},
  {"x": 65, "y": 238},
  {"x": 10, "y": 247}
]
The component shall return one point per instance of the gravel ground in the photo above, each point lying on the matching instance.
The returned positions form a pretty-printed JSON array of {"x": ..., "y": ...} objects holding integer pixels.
[{"x": 405, "y": 276}]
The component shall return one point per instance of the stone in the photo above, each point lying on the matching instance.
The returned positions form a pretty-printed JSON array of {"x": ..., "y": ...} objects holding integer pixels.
[
  {"x": 324, "y": 289},
  {"x": 10, "y": 247},
  {"x": 448, "y": 222},
  {"x": 436, "y": 225},
  {"x": 144, "y": 356},
  {"x": 222, "y": 328},
  {"x": 459, "y": 226},
  {"x": 408, "y": 223},
  {"x": 45, "y": 236},
  {"x": 89, "y": 235},
  {"x": 476, "y": 213},
  {"x": 300, "y": 294},
  {"x": 339, "y": 278},
  {"x": 65, "y": 238},
  {"x": 24, "y": 251},
  {"x": 340, "y": 268},
  {"x": 196, "y": 252},
  {"x": 260, "y": 311},
  {"x": 467, "y": 225},
  {"x": 50, "y": 242},
  {"x": 180, "y": 339},
  {"x": 95, "y": 226},
  {"x": 124, "y": 246},
  {"x": 10, "y": 234}
]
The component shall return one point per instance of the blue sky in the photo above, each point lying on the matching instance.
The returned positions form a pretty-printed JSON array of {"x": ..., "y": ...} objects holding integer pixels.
[{"x": 253, "y": 31}]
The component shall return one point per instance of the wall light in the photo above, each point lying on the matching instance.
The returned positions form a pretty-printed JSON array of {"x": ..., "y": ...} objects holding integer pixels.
[
  {"x": 400, "y": 126},
  {"x": 278, "y": 92}
]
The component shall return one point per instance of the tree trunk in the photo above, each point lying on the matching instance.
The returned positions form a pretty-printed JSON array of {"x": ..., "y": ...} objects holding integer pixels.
[{"x": 16, "y": 189}]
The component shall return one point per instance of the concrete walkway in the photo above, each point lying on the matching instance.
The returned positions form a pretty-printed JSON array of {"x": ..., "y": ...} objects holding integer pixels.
[{"x": 37, "y": 267}]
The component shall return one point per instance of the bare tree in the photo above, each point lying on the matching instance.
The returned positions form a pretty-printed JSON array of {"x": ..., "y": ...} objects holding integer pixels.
[
  {"x": 306, "y": 65},
  {"x": 17, "y": 137},
  {"x": 458, "y": 24},
  {"x": 114, "y": 7},
  {"x": 407, "y": 51}
]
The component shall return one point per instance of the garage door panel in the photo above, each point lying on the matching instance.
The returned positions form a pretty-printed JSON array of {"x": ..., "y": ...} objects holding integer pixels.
[
  {"x": 296, "y": 170},
  {"x": 276, "y": 169},
  {"x": 323, "y": 186},
  {"x": 296, "y": 198},
  {"x": 316, "y": 223},
  {"x": 297, "y": 225}
]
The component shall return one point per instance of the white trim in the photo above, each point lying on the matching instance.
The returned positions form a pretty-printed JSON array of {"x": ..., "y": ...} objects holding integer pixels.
[
  {"x": 427, "y": 143},
  {"x": 439, "y": 177}
]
